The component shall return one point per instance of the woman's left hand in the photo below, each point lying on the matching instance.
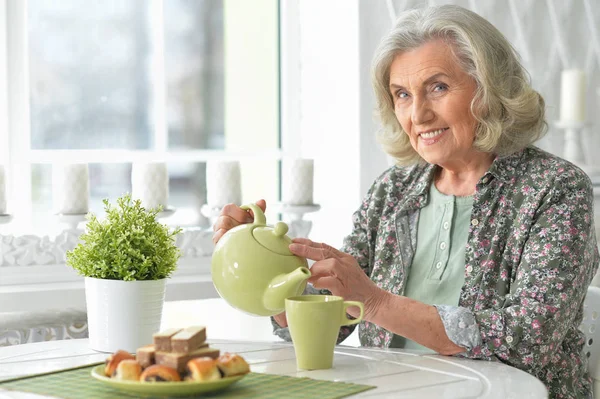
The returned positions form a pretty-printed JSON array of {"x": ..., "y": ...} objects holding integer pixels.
[{"x": 339, "y": 273}]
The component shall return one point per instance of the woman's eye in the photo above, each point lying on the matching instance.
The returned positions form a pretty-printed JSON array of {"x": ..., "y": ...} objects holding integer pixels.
[
  {"x": 440, "y": 87},
  {"x": 401, "y": 94}
]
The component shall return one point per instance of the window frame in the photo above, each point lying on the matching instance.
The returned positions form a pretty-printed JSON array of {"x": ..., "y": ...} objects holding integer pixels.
[{"x": 28, "y": 280}]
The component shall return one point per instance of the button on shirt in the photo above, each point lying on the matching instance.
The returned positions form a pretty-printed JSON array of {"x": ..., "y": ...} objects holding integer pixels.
[{"x": 437, "y": 273}]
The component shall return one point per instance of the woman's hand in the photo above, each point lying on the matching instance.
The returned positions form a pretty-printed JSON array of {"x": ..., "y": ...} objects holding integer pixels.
[
  {"x": 339, "y": 273},
  {"x": 281, "y": 319},
  {"x": 232, "y": 216}
]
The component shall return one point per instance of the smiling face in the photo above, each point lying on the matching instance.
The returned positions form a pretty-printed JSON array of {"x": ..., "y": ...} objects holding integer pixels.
[{"x": 432, "y": 98}]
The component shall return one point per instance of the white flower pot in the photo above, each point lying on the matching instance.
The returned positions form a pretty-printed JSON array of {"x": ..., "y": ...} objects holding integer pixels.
[{"x": 123, "y": 314}]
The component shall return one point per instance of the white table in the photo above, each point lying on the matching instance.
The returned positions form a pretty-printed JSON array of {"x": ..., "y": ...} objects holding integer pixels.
[{"x": 395, "y": 373}]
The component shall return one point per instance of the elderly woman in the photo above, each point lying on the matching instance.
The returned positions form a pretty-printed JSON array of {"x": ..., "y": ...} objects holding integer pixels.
[{"x": 476, "y": 243}]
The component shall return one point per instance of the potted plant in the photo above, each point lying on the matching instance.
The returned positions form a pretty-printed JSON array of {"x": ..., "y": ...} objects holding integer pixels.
[{"x": 125, "y": 259}]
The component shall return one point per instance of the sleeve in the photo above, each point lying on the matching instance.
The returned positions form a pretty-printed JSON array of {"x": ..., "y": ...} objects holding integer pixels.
[
  {"x": 558, "y": 262},
  {"x": 355, "y": 244},
  {"x": 460, "y": 325}
]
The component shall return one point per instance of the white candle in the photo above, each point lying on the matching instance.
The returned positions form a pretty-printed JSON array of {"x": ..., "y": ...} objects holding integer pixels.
[
  {"x": 2, "y": 190},
  {"x": 150, "y": 184},
  {"x": 572, "y": 96},
  {"x": 298, "y": 182},
  {"x": 223, "y": 183},
  {"x": 70, "y": 188}
]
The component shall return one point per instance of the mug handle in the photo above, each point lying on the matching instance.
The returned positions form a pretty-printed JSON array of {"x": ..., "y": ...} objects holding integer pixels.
[{"x": 345, "y": 320}]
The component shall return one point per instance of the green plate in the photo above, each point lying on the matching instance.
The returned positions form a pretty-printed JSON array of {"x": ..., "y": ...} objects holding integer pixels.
[{"x": 184, "y": 388}]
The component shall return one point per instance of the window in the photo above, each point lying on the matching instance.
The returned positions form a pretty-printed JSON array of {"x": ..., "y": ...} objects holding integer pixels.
[{"x": 115, "y": 82}]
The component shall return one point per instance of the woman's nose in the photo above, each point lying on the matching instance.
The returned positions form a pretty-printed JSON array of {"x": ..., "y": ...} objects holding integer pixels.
[{"x": 421, "y": 111}]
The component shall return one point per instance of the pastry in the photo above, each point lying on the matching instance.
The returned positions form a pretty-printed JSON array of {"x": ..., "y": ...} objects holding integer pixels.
[
  {"x": 158, "y": 373},
  {"x": 232, "y": 364},
  {"x": 113, "y": 361},
  {"x": 202, "y": 369},
  {"x": 145, "y": 355},
  {"x": 178, "y": 361},
  {"x": 128, "y": 370},
  {"x": 188, "y": 339},
  {"x": 162, "y": 339}
]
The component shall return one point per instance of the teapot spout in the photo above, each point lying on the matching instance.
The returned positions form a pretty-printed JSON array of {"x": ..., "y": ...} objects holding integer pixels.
[{"x": 284, "y": 286}]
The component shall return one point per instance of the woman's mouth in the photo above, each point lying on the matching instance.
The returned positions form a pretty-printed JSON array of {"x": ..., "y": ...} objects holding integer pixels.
[{"x": 432, "y": 136}]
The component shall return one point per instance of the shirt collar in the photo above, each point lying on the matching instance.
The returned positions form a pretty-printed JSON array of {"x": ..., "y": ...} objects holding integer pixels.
[
  {"x": 502, "y": 168},
  {"x": 417, "y": 195},
  {"x": 505, "y": 168}
]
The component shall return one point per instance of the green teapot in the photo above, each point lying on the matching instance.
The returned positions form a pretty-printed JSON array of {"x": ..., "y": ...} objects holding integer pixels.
[{"x": 253, "y": 269}]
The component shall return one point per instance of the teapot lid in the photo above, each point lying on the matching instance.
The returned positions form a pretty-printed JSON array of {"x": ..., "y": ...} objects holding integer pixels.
[{"x": 274, "y": 238}]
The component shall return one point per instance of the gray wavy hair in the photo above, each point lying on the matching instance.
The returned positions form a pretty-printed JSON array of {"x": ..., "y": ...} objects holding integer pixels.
[{"x": 509, "y": 112}]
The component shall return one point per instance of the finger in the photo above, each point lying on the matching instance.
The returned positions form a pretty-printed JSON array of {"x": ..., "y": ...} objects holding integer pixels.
[
  {"x": 324, "y": 268},
  {"x": 313, "y": 279},
  {"x": 306, "y": 241},
  {"x": 262, "y": 204},
  {"x": 331, "y": 251},
  {"x": 225, "y": 222},
  {"x": 218, "y": 234},
  {"x": 329, "y": 283},
  {"x": 307, "y": 252},
  {"x": 322, "y": 252},
  {"x": 325, "y": 247},
  {"x": 237, "y": 213}
]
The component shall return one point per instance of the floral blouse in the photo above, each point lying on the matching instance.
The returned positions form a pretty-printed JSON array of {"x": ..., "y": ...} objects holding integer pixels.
[{"x": 530, "y": 256}]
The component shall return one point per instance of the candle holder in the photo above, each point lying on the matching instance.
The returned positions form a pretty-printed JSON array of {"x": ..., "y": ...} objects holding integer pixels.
[
  {"x": 71, "y": 220},
  {"x": 573, "y": 150},
  {"x": 150, "y": 184},
  {"x": 165, "y": 213},
  {"x": 223, "y": 183},
  {"x": 70, "y": 188},
  {"x": 211, "y": 212},
  {"x": 294, "y": 217},
  {"x": 5, "y": 218}
]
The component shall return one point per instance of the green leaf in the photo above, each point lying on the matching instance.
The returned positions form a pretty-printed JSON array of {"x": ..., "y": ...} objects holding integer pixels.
[{"x": 129, "y": 244}]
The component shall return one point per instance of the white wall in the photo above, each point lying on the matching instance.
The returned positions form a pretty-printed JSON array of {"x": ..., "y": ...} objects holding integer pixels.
[
  {"x": 330, "y": 111},
  {"x": 374, "y": 24}
]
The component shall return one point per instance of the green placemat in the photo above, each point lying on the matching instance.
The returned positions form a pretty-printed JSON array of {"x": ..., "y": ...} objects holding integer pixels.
[{"x": 77, "y": 383}]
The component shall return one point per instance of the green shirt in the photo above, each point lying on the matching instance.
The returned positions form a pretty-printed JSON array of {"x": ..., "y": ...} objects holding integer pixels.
[{"x": 437, "y": 272}]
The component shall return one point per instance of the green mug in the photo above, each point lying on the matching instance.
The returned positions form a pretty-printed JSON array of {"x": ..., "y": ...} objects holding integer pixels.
[{"x": 314, "y": 322}]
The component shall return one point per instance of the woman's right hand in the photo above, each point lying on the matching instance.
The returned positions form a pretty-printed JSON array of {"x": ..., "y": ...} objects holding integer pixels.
[{"x": 232, "y": 216}]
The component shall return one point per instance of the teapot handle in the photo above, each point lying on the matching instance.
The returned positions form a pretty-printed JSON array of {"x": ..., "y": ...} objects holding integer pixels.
[{"x": 259, "y": 216}]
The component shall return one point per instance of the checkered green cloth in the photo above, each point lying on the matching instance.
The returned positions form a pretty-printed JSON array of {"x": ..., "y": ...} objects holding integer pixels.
[{"x": 78, "y": 383}]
